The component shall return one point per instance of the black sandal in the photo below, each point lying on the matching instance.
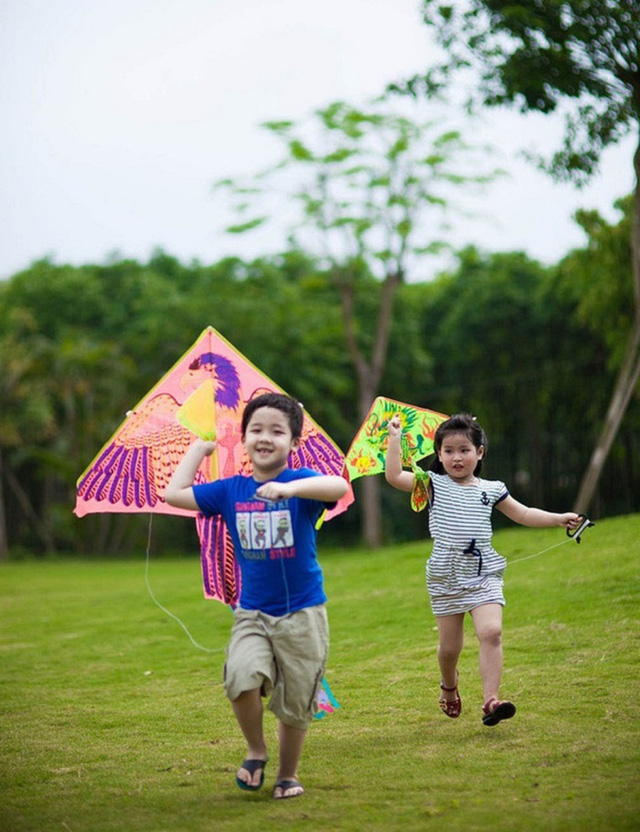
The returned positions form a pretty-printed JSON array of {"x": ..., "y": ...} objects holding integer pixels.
[
  {"x": 252, "y": 766},
  {"x": 494, "y": 711},
  {"x": 285, "y": 785}
]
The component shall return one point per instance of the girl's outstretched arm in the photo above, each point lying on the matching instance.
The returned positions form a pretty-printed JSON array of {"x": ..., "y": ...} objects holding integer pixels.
[
  {"x": 179, "y": 492},
  {"x": 395, "y": 476},
  {"x": 536, "y": 517}
]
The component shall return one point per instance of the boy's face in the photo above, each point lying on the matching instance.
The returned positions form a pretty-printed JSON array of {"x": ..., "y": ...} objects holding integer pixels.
[{"x": 268, "y": 441}]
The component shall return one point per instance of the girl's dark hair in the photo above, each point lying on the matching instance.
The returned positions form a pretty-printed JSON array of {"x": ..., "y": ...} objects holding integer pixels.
[
  {"x": 290, "y": 407},
  {"x": 459, "y": 423}
]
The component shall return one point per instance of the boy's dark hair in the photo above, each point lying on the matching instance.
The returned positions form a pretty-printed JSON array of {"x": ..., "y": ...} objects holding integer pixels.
[
  {"x": 459, "y": 423},
  {"x": 290, "y": 407}
]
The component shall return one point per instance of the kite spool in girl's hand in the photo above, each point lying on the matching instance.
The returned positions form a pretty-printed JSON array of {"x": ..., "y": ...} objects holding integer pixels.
[{"x": 584, "y": 525}]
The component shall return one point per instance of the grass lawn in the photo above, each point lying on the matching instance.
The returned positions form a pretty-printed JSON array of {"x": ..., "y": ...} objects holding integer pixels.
[{"x": 112, "y": 720}]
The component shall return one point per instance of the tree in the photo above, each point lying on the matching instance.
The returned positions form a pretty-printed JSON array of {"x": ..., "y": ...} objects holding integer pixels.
[
  {"x": 364, "y": 184},
  {"x": 605, "y": 307},
  {"x": 493, "y": 326},
  {"x": 80, "y": 345},
  {"x": 26, "y": 416},
  {"x": 580, "y": 55},
  {"x": 69, "y": 373}
]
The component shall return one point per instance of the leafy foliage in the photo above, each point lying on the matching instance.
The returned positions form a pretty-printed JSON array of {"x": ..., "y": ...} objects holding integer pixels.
[
  {"x": 530, "y": 350},
  {"x": 580, "y": 55},
  {"x": 370, "y": 184},
  {"x": 600, "y": 273}
]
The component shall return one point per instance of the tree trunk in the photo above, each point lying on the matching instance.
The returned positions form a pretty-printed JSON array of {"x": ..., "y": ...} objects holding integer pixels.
[
  {"x": 629, "y": 372},
  {"x": 624, "y": 389},
  {"x": 30, "y": 513},
  {"x": 368, "y": 375},
  {"x": 4, "y": 539},
  {"x": 370, "y": 498}
]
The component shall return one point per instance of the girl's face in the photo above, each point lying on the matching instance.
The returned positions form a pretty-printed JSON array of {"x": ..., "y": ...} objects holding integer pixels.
[
  {"x": 459, "y": 457},
  {"x": 268, "y": 441}
]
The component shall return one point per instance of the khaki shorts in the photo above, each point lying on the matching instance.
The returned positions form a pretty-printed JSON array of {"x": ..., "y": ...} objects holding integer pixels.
[{"x": 283, "y": 656}]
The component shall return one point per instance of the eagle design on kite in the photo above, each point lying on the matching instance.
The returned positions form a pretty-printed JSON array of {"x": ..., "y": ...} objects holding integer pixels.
[{"x": 203, "y": 395}]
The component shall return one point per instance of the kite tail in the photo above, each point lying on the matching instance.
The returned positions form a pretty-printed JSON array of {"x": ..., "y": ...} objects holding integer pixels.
[
  {"x": 220, "y": 570},
  {"x": 327, "y": 703},
  {"x": 420, "y": 493}
]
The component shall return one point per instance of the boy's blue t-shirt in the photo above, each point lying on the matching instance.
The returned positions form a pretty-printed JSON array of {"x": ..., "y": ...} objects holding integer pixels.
[{"x": 274, "y": 542}]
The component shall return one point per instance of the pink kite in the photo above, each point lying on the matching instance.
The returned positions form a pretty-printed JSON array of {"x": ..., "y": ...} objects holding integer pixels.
[{"x": 203, "y": 394}]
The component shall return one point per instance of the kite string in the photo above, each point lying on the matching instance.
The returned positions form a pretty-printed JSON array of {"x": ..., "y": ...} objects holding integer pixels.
[
  {"x": 537, "y": 554},
  {"x": 164, "y": 609}
]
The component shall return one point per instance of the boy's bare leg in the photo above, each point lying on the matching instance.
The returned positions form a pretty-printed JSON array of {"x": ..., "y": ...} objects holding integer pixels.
[
  {"x": 450, "y": 640},
  {"x": 248, "y": 711},
  {"x": 487, "y": 621},
  {"x": 291, "y": 741}
]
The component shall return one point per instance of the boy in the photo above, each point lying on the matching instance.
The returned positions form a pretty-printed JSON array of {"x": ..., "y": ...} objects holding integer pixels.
[{"x": 279, "y": 640}]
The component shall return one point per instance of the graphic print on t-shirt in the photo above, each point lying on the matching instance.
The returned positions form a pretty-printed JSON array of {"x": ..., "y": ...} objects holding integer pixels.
[
  {"x": 282, "y": 531},
  {"x": 260, "y": 531},
  {"x": 244, "y": 531}
]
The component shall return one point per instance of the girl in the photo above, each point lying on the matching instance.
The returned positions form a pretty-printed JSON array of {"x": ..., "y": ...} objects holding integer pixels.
[{"x": 464, "y": 572}]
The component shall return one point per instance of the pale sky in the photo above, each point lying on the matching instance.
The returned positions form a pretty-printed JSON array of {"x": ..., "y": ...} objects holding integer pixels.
[{"x": 118, "y": 115}]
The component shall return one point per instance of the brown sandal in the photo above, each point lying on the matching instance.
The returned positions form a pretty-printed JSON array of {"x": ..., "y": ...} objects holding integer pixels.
[{"x": 452, "y": 707}]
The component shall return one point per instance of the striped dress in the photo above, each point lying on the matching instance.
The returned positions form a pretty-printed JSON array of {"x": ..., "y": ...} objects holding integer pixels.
[{"x": 464, "y": 570}]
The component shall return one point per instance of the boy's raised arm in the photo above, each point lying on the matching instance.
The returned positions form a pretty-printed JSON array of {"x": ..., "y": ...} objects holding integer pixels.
[{"x": 179, "y": 492}]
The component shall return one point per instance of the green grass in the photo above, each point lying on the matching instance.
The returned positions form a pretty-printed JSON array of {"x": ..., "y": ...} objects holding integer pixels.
[{"x": 111, "y": 720}]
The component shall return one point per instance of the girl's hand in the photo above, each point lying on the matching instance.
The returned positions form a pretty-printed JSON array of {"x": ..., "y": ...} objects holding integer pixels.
[
  {"x": 394, "y": 475},
  {"x": 395, "y": 425},
  {"x": 570, "y": 520}
]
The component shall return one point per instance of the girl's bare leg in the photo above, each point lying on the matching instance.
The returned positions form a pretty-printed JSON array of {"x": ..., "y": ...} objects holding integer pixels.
[
  {"x": 487, "y": 621},
  {"x": 450, "y": 639},
  {"x": 248, "y": 711}
]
